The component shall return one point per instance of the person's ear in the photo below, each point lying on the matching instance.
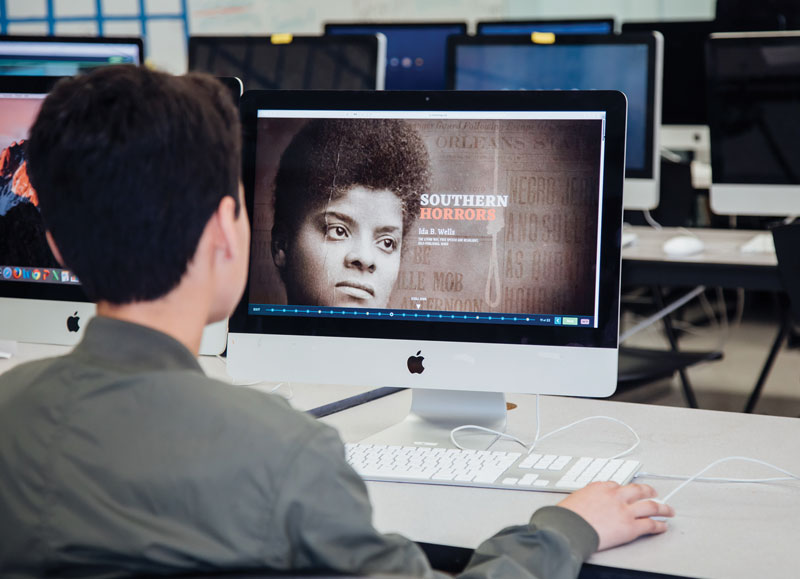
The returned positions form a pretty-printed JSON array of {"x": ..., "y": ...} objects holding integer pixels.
[
  {"x": 278, "y": 248},
  {"x": 225, "y": 230},
  {"x": 54, "y": 248}
]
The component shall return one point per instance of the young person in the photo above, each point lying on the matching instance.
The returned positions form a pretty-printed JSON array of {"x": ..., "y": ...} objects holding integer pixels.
[
  {"x": 122, "y": 457},
  {"x": 346, "y": 194}
]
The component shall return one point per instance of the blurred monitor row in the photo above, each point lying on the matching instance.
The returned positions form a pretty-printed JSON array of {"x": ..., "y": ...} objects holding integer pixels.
[{"x": 746, "y": 82}]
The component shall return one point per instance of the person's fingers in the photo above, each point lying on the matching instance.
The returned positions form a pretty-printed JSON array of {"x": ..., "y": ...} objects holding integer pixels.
[
  {"x": 647, "y": 526},
  {"x": 636, "y": 492},
  {"x": 651, "y": 509}
]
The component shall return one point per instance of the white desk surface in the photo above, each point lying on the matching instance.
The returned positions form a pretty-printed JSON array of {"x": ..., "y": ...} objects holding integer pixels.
[
  {"x": 722, "y": 246},
  {"x": 720, "y": 530}
]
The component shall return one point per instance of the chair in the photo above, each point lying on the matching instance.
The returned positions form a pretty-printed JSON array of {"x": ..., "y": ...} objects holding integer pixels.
[
  {"x": 787, "y": 242},
  {"x": 639, "y": 366}
]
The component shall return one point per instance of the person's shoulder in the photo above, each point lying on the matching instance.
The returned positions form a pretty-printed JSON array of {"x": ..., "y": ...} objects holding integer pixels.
[
  {"x": 26, "y": 373},
  {"x": 252, "y": 410}
]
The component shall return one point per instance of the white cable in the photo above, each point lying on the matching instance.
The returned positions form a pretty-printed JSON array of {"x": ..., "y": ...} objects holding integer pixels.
[
  {"x": 623, "y": 453},
  {"x": 651, "y": 221},
  {"x": 289, "y": 395},
  {"x": 717, "y": 479},
  {"x": 789, "y": 219},
  {"x": 483, "y": 429},
  {"x": 537, "y": 437},
  {"x": 650, "y": 320},
  {"x": 790, "y": 476}
]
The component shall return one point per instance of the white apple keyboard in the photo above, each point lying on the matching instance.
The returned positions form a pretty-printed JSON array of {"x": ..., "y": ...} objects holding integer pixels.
[{"x": 484, "y": 468}]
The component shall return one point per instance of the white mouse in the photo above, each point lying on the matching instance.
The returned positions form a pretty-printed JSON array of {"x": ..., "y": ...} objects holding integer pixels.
[{"x": 682, "y": 245}]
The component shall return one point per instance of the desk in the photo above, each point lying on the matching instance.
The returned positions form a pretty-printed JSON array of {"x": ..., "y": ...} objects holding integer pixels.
[
  {"x": 720, "y": 264},
  {"x": 723, "y": 531}
]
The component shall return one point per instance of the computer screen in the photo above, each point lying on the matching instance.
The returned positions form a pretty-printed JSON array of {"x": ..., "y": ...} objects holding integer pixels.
[
  {"x": 440, "y": 240},
  {"x": 684, "y": 101},
  {"x": 415, "y": 52},
  {"x": 40, "y": 301},
  {"x": 754, "y": 117},
  {"x": 293, "y": 62},
  {"x": 628, "y": 63},
  {"x": 569, "y": 26},
  {"x": 64, "y": 55}
]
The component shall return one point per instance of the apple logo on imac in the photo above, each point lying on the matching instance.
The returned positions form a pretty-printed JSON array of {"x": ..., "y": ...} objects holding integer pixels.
[
  {"x": 415, "y": 363},
  {"x": 72, "y": 322}
]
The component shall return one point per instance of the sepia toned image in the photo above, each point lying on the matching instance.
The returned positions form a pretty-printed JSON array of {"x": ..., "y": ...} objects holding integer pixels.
[{"x": 496, "y": 216}]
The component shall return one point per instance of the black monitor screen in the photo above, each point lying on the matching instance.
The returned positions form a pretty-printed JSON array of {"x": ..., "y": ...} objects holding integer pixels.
[
  {"x": 684, "y": 100},
  {"x": 599, "y": 26},
  {"x": 754, "y": 109},
  {"x": 264, "y": 62},
  {"x": 415, "y": 54},
  {"x": 520, "y": 64}
]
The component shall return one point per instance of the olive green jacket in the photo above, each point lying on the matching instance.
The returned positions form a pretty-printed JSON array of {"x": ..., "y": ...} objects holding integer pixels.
[{"x": 123, "y": 458}]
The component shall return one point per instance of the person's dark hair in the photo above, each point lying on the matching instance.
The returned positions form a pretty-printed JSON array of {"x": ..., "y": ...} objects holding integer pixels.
[
  {"x": 328, "y": 157},
  {"x": 129, "y": 165}
]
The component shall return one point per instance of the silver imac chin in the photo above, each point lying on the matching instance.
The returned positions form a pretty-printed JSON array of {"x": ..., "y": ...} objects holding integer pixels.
[
  {"x": 641, "y": 194},
  {"x": 754, "y": 199},
  {"x": 472, "y": 377},
  {"x": 58, "y": 322}
]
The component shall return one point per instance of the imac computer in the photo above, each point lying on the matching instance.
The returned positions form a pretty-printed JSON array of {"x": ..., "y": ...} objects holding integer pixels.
[
  {"x": 284, "y": 61},
  {"x": 557, "y": 26},
  {"x": 40, "y": 301},
  {"x": 684, "y": 118},
  {"x": 754, "y": 116},
  {"x": 464, "y": 244},
  {"x": 628, "y": 63},
  {"x": 65, "y": 55},
  {"x": 415, "y": 52}
]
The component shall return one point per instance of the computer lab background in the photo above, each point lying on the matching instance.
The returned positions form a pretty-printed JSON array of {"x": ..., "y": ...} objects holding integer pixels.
[{"x": 740, "y": 324}]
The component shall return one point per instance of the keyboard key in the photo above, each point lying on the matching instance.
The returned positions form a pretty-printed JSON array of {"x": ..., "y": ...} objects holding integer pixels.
[
  {"x": 626, "y": 470},
  {"x": 530, "y": 460},
  {"x": 545, "y": 462},
  {"x": 609, "y": 469},
  {"x": 560, "y": 463}
]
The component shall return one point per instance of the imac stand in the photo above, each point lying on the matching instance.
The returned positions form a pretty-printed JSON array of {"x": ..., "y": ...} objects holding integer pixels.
[{"x": 434, "y": 413}]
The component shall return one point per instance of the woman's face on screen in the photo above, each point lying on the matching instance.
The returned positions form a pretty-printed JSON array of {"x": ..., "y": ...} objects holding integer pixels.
[{"x": 347, "y": 252}]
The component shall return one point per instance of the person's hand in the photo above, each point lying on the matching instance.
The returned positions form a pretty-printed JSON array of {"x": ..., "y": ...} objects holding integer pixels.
[{"x": 619, "y": 514}]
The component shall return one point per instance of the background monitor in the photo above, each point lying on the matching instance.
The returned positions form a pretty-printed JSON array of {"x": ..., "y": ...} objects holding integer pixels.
[
  {"x": 293, "y": 62},
  {"x": 40, "y": 301},
  {"x": 628, "y": 63},
  {"x": 754, "y": 116},
  {"x": 498, "y": 273},
  {"x": 415, "y": 52},
  {"x": 684, "y": 117},
  {"x": 557, "y": 26},
  {"x": 65, "y": 55}
]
